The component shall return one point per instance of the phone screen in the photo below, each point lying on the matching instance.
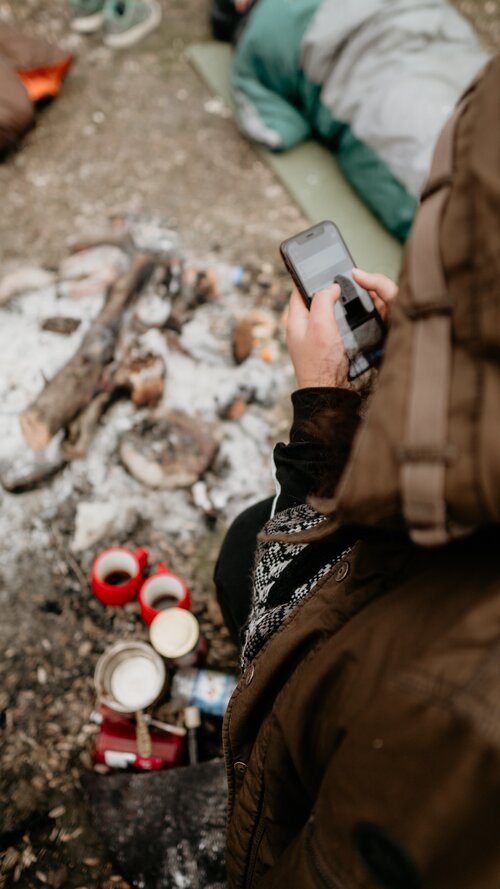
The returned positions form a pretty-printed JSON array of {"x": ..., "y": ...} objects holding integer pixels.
[{"x": 318, "y": 258}]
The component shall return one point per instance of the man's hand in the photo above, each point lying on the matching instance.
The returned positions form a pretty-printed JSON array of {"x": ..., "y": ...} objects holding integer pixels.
[
  {"x": 314, "y": 342},
  {"x": 382, "y": 290}
]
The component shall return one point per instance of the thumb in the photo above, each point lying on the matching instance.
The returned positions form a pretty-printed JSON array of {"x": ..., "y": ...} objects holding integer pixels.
[{"x": 323, "y": 311}]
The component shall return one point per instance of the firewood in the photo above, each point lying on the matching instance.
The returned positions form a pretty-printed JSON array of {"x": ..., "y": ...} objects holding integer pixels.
[
  {"x": 25, "y": 475},
  {"x": 75, "y": 385},
  {"x": 107, "y": 239},
  {"x": 169, "y": 450},
  {"x": 81, "y": 431},
  {"x": 143, "y": 375}
]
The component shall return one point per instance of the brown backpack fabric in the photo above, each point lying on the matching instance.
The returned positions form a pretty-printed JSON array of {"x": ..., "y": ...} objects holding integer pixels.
[
  {"x": 428, "y": 453},
  {"x": 30, "y": 69},
  {"x": 17, "y": 112}
]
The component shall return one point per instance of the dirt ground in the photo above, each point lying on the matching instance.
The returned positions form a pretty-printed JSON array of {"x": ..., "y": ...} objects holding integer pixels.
[
  {"x": 132, "y": 129},
  {"x": 135, "y": 131}
]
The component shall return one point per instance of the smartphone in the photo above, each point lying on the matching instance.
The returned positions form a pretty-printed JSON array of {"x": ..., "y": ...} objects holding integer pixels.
[{"x": 317, "y": 258}]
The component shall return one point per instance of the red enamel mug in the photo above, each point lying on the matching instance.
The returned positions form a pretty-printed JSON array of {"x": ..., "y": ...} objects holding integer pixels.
[
  {"x": 162, "y": 590},
  {"x": 117, "y": 574}
]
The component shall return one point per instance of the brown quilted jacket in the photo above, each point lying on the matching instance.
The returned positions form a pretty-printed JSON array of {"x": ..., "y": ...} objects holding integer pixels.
[{"x": 363, "y": 742}]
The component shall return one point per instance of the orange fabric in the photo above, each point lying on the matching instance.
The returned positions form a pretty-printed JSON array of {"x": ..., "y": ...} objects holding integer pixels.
[{"x": 46, "y": 80}]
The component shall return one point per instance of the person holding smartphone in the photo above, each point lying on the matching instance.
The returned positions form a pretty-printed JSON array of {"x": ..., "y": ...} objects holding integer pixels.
[
  {"x": 326, "y": 411},
  {"x": 362, "y": 742}
]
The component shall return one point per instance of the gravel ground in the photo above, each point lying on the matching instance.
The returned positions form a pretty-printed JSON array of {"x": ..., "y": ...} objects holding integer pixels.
[{"x": 133, "y": 130}]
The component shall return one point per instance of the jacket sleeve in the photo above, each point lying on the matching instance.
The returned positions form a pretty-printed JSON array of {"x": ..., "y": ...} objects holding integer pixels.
[
  {"x": 410, "y": 800},
  {"x": 301, "y": 465}
]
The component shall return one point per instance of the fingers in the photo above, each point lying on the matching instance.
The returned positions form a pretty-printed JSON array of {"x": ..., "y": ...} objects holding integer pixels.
[
  {"x": 385, "y": 289},
  {"x": 322, "y": 312},
  {"x": 297, "y": 319},
  {"x": 298, "y": 313},
  {"x": 314, "y": 342},
  {"x": 297, "y": 306},
  {"x": 381, "y": 306},
  {"x": 320, "y": 318}
]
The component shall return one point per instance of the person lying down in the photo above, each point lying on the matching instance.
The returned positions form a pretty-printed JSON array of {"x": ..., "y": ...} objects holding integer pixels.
[{"x": 374, "y": 80}]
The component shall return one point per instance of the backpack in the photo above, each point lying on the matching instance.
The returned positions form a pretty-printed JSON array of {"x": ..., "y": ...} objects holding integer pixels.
[{"x": 427, "y": 455}]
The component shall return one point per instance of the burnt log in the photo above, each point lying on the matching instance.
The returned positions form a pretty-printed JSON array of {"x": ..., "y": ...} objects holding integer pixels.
[
  {"x": 75, "y": 385},
  {"x": 80, "y": 432}
]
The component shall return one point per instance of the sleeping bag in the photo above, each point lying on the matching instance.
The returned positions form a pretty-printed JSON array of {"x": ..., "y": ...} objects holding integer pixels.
[{"x": 373, "y": 79}]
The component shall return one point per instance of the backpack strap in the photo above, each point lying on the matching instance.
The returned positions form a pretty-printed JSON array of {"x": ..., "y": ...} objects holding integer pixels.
[{"x": 426, "y": 452}]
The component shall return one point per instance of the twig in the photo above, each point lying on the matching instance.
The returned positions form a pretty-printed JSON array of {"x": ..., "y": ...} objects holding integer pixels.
[{"x": 70, "y": 559}]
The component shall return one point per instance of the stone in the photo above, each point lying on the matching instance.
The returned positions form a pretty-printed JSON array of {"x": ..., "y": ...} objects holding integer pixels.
[
  {"x": 97, "y": 519},
  {"x": 200, "y": 497}
]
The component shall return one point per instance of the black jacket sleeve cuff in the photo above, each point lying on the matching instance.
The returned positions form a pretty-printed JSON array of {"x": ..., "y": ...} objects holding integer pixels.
[{"x": 315, "y": 454}]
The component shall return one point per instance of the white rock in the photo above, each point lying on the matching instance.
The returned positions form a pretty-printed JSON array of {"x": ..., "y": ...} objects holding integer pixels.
[
  {"x": 93, "y": 522},
  {"x": 200, "y": 496},
  {"x": 97, "y": 519},
  {"x": 217, "y": 107}
]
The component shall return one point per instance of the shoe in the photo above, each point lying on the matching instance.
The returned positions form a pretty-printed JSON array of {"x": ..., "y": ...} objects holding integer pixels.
[
  {"x": 128, "y": 21},
  {"x": 87, "y": 16}
]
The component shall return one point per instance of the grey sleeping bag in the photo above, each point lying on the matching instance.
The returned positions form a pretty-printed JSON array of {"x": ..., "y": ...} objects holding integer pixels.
[{"x": 375, "y": 79}]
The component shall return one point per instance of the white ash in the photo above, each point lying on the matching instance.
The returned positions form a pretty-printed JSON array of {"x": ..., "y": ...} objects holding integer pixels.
[
  {"x": 153, "y": 310},
  {"x": 203, "y": 383},
  {"x": 243, "y": 465},
  {"x": 209, "y": 388},
  {"x": 203, "y": 342},
  {"x": 152, "y": 342},
  {"x": 28, "y": 355}
]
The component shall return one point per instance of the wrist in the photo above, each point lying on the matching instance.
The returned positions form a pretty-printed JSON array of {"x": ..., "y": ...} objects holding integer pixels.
[
  {"x": 339, "y": 381},
  {"x": 323, "y": 372}
]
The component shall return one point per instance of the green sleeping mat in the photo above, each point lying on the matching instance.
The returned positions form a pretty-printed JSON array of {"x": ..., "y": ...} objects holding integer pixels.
[{"x": 312, "y": 176}]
